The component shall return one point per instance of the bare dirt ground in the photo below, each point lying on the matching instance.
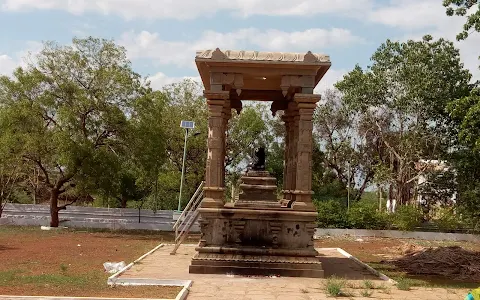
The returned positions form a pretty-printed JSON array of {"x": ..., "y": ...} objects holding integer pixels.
[
  {"x": 70, "y": 263},
  {"x": 424, "y": 263}
]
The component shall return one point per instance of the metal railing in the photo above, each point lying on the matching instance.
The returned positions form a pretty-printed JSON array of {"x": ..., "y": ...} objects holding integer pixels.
[{"x": 188, "y": 218}]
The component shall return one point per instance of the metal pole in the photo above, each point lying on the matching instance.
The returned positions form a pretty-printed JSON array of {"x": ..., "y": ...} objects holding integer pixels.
[
  {"x": 348, "y": 188},
  {"x": 183, "y": 170},
  {"x": 156, "y": 186}
]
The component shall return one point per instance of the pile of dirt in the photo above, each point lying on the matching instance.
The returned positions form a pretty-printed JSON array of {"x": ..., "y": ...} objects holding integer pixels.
[
  {"x": 453, "y": 263},
  {"x": 409, "y": 248}
]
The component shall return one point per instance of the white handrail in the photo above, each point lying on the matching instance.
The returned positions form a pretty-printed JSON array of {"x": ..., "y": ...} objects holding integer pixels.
[
  {"x": 189, "y": 219},
  {"x": 199, "y": 189}
]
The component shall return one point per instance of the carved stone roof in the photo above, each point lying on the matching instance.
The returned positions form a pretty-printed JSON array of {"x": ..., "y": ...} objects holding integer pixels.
[{"x": 217, "y": 54}]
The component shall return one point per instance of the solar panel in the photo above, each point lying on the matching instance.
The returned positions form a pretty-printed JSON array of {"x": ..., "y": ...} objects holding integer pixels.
[{"x": 187, "y": 124}]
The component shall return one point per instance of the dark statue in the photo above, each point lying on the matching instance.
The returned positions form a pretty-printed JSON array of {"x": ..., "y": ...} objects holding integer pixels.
[{"x": 259, "y": 163}]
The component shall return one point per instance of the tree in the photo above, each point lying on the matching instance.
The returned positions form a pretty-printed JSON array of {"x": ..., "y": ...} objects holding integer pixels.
[
  {"x": 68, "y": 113},
  {"x": 10, "y": 175},
  {"x": 254, "y": 127},
  {"x": 337, "y": 133},
  {"x": 183, "y": 101},
  {"x": 145, "y": 153},
  {"x": 401, "y": 100},
  {"x": 465, "y": 113},
  {"x": 462, "y": 8}
]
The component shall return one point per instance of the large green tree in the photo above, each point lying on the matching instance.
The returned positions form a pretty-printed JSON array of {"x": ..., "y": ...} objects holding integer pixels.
[
  {"x": 401, "y": 99},
  {"x": 67, "y": 113},
  {"x": 183, "y": 101}
]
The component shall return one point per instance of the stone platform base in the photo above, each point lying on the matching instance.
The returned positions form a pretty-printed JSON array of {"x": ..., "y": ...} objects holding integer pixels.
[{"x": 210, "y": 263}]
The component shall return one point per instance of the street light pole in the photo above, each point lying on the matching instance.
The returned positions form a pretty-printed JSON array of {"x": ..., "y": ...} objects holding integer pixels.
[
  {"x": 348, "y": 187},
  {"x": 183, "y": 170}
]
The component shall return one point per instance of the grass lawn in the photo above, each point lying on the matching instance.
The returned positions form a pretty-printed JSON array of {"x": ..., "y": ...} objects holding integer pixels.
[{"x": 70, "y": 262}]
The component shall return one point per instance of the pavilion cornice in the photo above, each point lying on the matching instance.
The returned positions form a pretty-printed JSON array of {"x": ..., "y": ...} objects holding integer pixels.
[{"x": 254, "y": 75}]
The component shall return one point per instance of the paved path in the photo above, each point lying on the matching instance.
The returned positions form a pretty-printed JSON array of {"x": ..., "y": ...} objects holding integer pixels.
[{"x": 162, "y": 265}]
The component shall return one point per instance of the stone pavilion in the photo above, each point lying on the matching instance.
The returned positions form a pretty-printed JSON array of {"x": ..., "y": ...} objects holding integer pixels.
[{"x": 258, "y": 234}]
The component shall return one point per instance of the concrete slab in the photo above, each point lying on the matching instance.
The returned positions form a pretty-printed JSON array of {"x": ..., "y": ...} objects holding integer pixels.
[{"x": 160, "y": 265}]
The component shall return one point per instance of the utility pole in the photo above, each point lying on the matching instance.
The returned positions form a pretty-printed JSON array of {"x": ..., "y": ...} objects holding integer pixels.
[{"x": 186, "y": 125}]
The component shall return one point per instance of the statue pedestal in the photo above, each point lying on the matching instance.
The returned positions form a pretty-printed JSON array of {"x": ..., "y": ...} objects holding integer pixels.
[
  {"x": 256, "y": 236},
  {"x": 258, "y": 190}
]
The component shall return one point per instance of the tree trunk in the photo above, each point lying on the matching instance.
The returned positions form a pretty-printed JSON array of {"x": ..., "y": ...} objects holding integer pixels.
[
  {"x": 123, "y": 202},
  {"x": 54, "y": 220}
]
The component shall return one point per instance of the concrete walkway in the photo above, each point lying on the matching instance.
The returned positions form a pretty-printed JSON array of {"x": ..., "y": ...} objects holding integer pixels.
[{"x": 162, "y": 265}]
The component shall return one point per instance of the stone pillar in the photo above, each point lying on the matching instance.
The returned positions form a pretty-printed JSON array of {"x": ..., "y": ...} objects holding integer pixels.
[
  {"x": 226, "y": 115},
  {"x": 291, "y": 127},
  {"x": 286, "y": 158},
  {"x": 302, "y": 195},
  {"x": 215, "y": 171}
]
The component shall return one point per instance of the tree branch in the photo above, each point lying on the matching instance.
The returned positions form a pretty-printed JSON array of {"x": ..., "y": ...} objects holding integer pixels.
[
  {"x": 63, "y": 207},
  {"x": 387, "y": 143},
  {"x": 44, "y": 171}
]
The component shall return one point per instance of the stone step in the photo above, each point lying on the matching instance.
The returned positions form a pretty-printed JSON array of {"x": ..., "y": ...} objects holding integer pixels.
[
  {"x": 262, "y": 269},
  {"x": 255, "y": 264},
  {"x": 244, "y": 186}
]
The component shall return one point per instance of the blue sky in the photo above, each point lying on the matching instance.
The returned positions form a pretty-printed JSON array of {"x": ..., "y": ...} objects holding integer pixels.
[{"x": 161, "y": 36}]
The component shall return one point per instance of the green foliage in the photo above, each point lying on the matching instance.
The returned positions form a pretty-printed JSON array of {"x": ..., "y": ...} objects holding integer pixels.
[
  {"x": 331, "y": 214},
  {"x": 447, "y": 220},
  {"x": 335, "y": 287},
  {"x": 77, "y": 115},
  {"x": 467, "y": 166},
  {"x": 365, "y": 215},
  {"x": 404, "y": 284},
  {"x": 437, "y": 190},
  {"x": 407, "y": 217},
  {"x": 339, "y": 159},
  {"x": 401, "y": 100},
  {"x": 246, "y": 132},
  {"x": 461, "y": 8},
  {"x": 368, "y": 284},
  {"x": 465, "y": 112},
  {"x": 183, "y": 101}
]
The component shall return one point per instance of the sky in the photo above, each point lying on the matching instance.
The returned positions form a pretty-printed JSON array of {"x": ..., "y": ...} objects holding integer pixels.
[{"x": 162, "y": 36}]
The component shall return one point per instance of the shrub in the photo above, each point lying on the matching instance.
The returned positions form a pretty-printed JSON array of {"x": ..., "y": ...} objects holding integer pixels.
[
  {"x": 446, "y": 219},
  {"x": 335, "y": 287},
  {"x": 366, "y": 216},
  {"x": 408, "y": 217},
  {"x": 404, "y": 284},
  {"x": 331, "y": 214}
]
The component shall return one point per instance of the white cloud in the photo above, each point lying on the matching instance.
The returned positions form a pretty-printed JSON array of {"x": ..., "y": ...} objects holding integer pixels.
[
  {"x": 330, "y": 78},
  {"x": 408, "y": 14},
  {"x": 7, "y": 64},
  {"x": 189, "y": 9},
  {"x": 150, "y": 45},
  {"x": 159, "y": 80},
  {"x": 428, "y": 17}
]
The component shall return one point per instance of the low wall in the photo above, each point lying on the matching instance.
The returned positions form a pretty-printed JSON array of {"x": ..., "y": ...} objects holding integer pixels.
[
  {"x": 430, "y": 236},
  {"x": 90, "y": 217},
  {"x": 127, "y": 218}
]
